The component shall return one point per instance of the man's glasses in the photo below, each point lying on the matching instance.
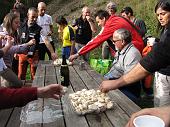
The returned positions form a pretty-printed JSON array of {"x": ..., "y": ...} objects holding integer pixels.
[{"x": 114, "y": 41}]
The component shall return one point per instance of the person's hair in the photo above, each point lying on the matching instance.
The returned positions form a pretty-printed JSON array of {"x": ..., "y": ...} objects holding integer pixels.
[
  {"x": 102, "y": 14},
  {"x": 33, "y": 9},
  {"x": 84, "y": 8},
  {"x": 111, "y": 5},
  {"x": 127, "y": 10},
  {"x": 164, "y": 5},
  {"x": 61, "y": 20},
  {"x": 123, "y": 34},
  {"x": 7, "y": 22}
]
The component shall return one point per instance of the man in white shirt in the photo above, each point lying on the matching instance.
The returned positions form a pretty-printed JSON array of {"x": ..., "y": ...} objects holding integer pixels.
[{"x": 46, "y": 43}]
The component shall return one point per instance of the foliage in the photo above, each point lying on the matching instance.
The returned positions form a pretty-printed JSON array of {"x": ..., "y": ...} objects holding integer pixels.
[
  {"x": 144, "y": 10},
  {"x": 7, "y": 5}
]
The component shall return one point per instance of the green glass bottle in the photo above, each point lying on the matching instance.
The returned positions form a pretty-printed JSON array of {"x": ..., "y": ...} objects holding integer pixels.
[{"x": 64, "y": 71}]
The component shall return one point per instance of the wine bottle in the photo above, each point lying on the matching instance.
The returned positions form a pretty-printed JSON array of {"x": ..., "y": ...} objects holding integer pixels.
[{"x": 64, "y": 71}]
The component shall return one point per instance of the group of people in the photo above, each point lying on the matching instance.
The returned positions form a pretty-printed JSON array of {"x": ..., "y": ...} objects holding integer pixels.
[
  {"x": 123, "y": 34},
  {"x": 25, "y": 41},
  {"x": 156, "y": 60}
]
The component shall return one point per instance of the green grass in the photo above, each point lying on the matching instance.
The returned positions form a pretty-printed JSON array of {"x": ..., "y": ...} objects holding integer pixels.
[{"x": 28, "y": 76}]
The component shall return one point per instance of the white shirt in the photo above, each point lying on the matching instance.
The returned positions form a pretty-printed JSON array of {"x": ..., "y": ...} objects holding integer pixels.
[{"x": 45, "y": 22}]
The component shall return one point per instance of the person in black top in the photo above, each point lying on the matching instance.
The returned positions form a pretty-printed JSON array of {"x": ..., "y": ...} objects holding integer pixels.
[
  {"x": 30, "y": 31},
  {"x": 156, "y": 60},
  {"x": 84, "y": 27},
  {"x": 127, "y": 12}
]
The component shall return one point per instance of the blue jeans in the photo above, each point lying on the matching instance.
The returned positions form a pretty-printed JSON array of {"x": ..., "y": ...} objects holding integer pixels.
[{"x": 66, "y": 51}]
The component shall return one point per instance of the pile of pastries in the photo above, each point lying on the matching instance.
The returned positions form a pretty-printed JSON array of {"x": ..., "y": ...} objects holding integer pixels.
[
  {"x": 58, "y": 62},
  {"x": 88, "y": 101}
]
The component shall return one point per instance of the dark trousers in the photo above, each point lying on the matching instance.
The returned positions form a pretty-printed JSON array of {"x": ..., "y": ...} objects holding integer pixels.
[
  {"x": 43, "y": 50},
  {"x": 15, "y": 64}
]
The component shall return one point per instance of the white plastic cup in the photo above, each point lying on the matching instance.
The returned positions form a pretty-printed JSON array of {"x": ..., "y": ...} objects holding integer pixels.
[{"x": 148, "y": 121}]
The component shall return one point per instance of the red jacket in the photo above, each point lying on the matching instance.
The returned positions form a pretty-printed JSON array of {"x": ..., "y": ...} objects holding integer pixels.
[
  {"x": 112, "y": 24},
  {"x": 16, "y": 97}
]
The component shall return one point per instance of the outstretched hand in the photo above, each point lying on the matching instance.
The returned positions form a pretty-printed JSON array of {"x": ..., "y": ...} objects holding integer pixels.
[
  {"x": 54, "y": 56},
  {"x": 108, "y": 85},
  {"x": 51, "y": 91},
  {"x": 72, "y": 57}
]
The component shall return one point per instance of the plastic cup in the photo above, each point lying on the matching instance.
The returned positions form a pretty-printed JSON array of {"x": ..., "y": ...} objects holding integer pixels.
[{"x": 148, "y": 121}]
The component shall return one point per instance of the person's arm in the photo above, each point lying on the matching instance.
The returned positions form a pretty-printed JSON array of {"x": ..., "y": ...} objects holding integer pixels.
[
  {"x": 51, "y": 26},
  {"x": 161, "y": 112},
  {"x": 19, "y": 97},
  {"x": 51, "y": 30},
  {"x": 92, "y": 24},
  {"x": 50, "y": 48},
  {"x": 72, "y": 48},
  {"x": 23, "y": 48},
  {"x": 137, "y": 73},
  {"x": 6, "y": 48},
  {"x": 104, "y": 34},
  {"x": 16, "y": 97}
]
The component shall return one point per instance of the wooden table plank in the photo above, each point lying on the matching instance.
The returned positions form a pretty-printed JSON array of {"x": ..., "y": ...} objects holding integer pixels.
[
  {"x": 116, "y": 115},
  {"x": 71, "y": 118},
  {"x": 75, "y": 79},
  {"x": 50, "y": 78},
  {"x": 98, "y": 120},
  {"x": 123, "y": 101},
  {"x": 37, "y": 82},
  {"x": 5, "y": 115},
  {"x": 78, "y": 79},
  {"x": 14, "y": 120}
]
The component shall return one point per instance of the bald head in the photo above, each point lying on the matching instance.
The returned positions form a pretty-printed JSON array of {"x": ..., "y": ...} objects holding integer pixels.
[{"x": 41, "y": 8}]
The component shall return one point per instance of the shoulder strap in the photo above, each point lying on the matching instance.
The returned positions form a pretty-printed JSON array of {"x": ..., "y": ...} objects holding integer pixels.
[
  {"x": 72, "y": 35},
  {"x": 130, "y": 46}
]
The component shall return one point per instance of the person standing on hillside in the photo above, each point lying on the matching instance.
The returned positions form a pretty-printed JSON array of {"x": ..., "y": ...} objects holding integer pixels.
[
  {"x": 68, "y": 38},
  {"x": 46, "y": 43},
  {"x": 108, "y": 46},
  {"x": 84, "y": 27},
  {"x": 127, "y": 12},
  {"x": 21, "y": 8},
  {"x": 111, "y": 24},
  {"x": 30, "y": 31}
]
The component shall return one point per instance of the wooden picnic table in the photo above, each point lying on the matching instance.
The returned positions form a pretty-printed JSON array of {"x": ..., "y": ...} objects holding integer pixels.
[{"x": 46, "y": 74}]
